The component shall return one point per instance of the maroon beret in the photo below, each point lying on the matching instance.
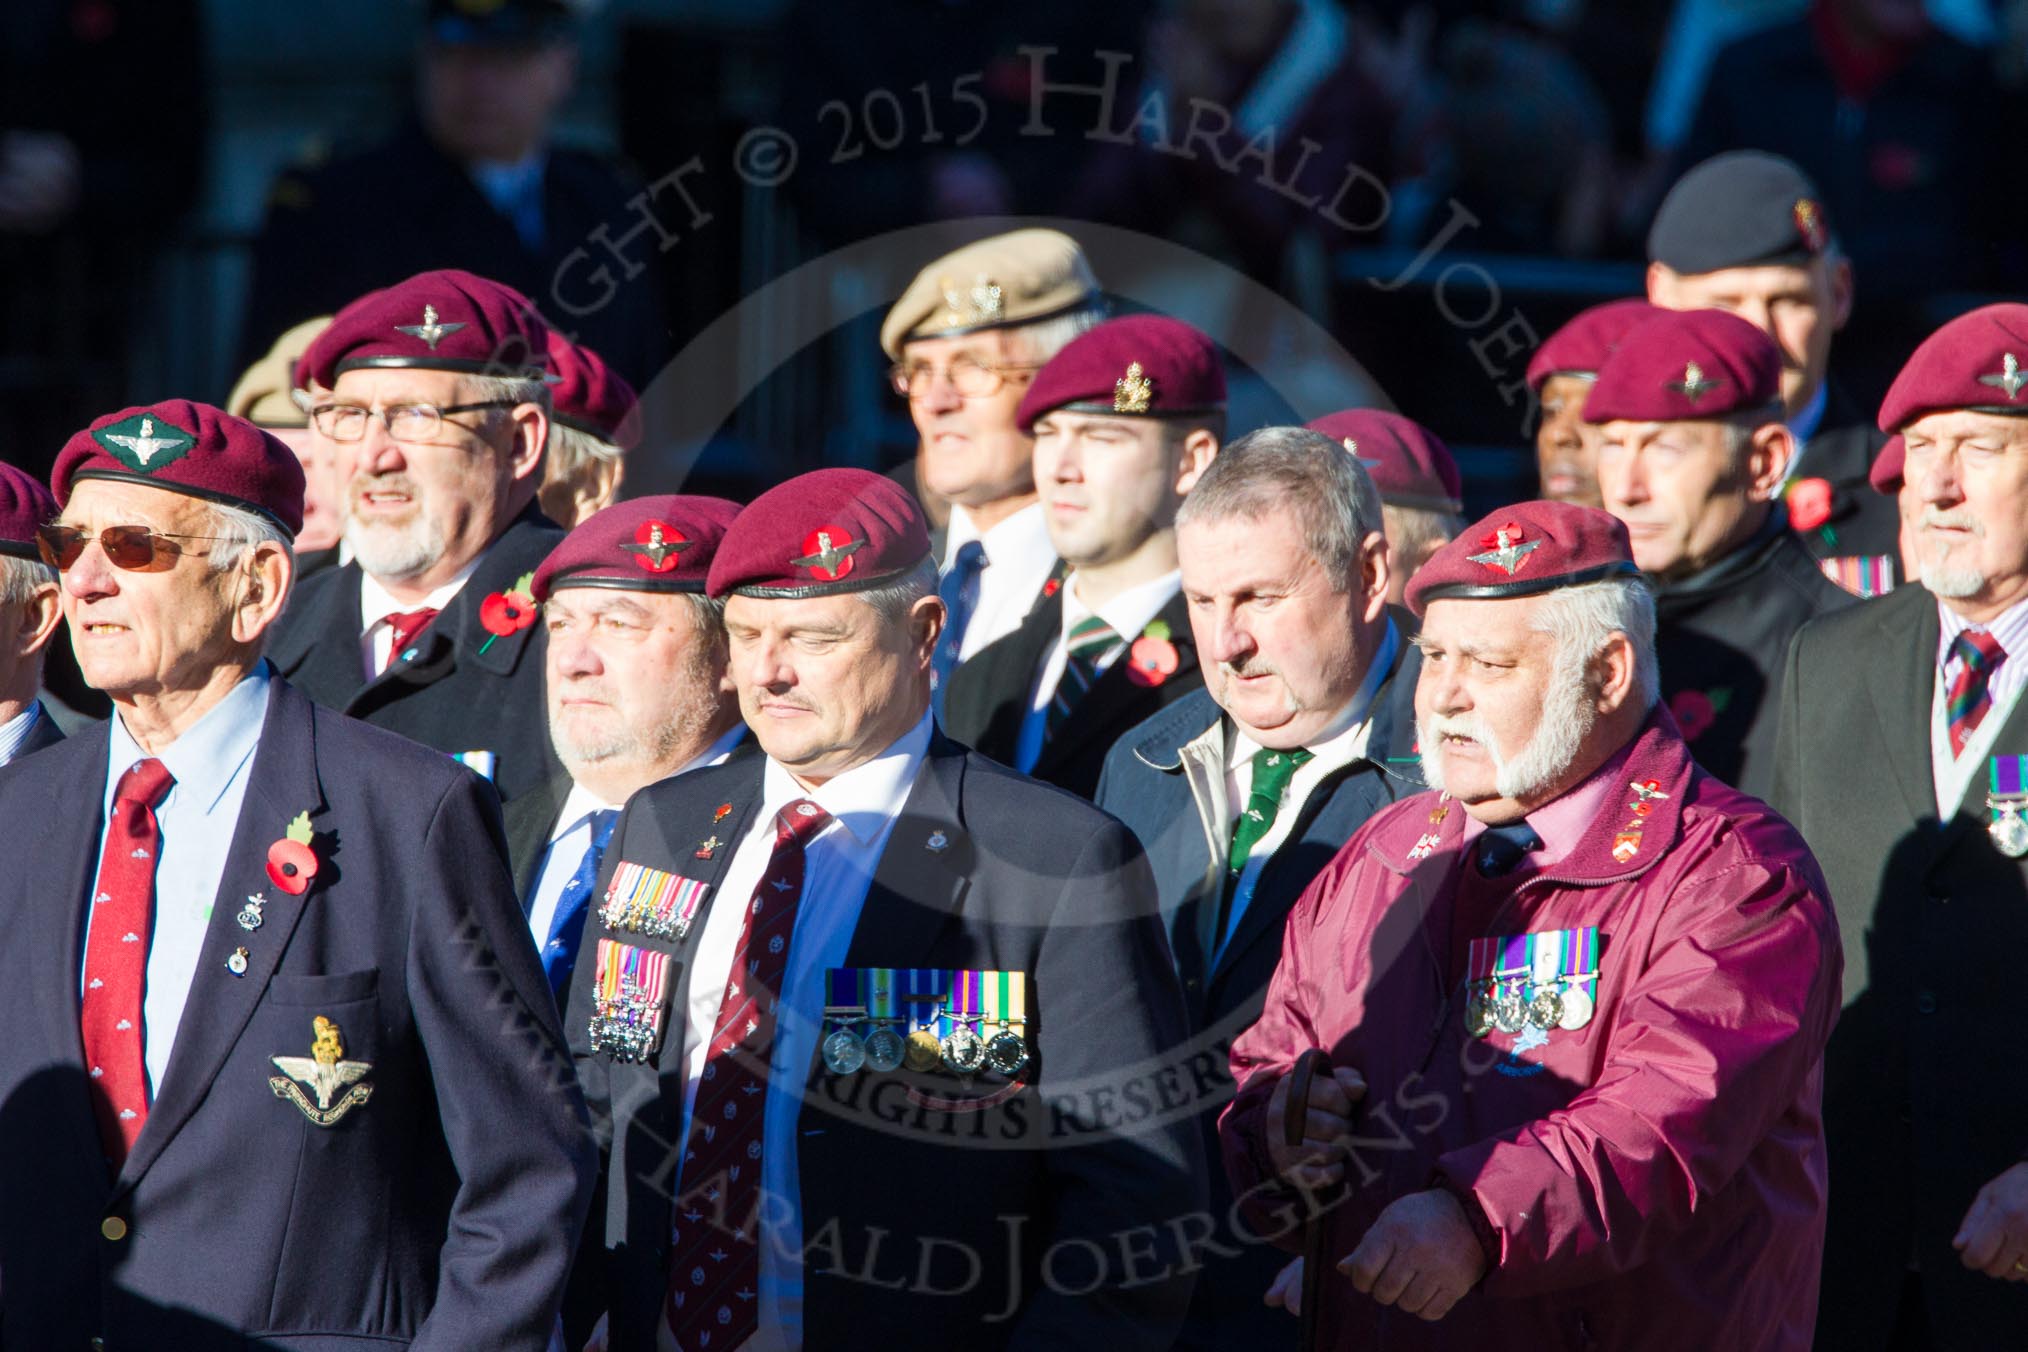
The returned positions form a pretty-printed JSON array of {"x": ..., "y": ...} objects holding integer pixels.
[
  {"x": 1410, "y": 464},
  {"x": 1144, "y": 365},
  {"x": 193, "y": 449},
  {"x": 1521, "y": 550},
  {"x": 24, "y": 505},
  {"x": 440, "y": 321},
  {"x": 1580, "y": 347},
  {"x": 1975, "y": 362},
  {"x": 1885, "y": 474},
  {"x": 663, "y": 544},
  {"x": 832, "y": 530},
  {"x": 1681, "y": 364},
  {"x": 591, "y": 396}
]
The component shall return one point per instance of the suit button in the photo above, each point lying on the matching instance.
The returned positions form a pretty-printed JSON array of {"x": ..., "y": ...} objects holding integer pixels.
[
  {"x": 113, "y": 1228},
  {"x": 1925, "y": 1003}
]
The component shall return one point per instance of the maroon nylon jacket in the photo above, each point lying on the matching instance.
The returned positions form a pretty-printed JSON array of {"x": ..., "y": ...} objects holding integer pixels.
[{"x": 1653, "y": 1181}]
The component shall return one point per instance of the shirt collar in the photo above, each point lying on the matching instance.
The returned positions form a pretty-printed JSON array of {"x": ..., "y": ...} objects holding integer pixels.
[
  {"x": 863, "y": 799},
  {"x": 2010, "y": 626},
  {"x": 209, "y": 754},
  {"x": 1563, "y": 821},
  {"x": 1021, "y": 535},
  {"x": 1343, "y": 737},
  {"x": 16, "y": 729},
  {"x": 1129, "y": 612},
  {"x": 376, "y": 605},
  {"x": 1805, "y": 424}
]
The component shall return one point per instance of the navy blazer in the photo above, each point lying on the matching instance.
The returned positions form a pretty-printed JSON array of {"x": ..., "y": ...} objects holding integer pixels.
[
  {"x": 985, "y": 869},
  {"x": 439, "y": 1213},
  {"x": 451, "y": 695}
]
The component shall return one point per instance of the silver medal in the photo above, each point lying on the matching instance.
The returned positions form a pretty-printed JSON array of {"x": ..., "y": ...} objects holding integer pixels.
[
  {"x": 844, "y": 1053},
  {"x": 884, "y": 1050}
]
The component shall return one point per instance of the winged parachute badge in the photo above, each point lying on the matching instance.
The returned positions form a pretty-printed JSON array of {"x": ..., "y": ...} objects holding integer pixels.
[
  {"x": 430, "y": 331},
  {"x": 135, "y": 443},
  {"x": 326, "y": 1071},
  {"x": 827, "y": 553},
  {"x": 1133, "y": 392},
  {"x": 1693, "y": 386},
  {"x": 2010, "y": 377},
  {"x": 656, "y": 545},
  {"x": 1504, "y": 549}
]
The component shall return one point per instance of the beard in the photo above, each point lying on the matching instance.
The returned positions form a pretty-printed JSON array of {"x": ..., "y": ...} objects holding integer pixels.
[
  {"x": 394, "y": 549},
  {"x": 680, "y": 732},
  {"x": 1566, "y": 722},
  {"x": 1951, "y": 582}
]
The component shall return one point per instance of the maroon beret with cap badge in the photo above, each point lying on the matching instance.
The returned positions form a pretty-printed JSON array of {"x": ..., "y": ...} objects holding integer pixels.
[
  {"x": 1978, "y": 361},
  {"x": 1580, "y": 347},
  {"x": 1410, "y": 464},
  {"x": 447, "y": 320},
  {"x": 662, "y": 543},
  {"x": 822, "y": 533},
  {"x": 1143, "y": 366},
  {"x": 1686, "y": 364},
  {"x": 591, "y": 396},
  {"x": 1523, "y": 550},
  {"x": 24, "y": 505},
  {"x": 188, "y": 448}
]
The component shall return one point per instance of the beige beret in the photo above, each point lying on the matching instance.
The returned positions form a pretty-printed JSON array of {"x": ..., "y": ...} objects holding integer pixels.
[
  {"x": 263, "y": 395},
  {"x": 997, "y": 283}
]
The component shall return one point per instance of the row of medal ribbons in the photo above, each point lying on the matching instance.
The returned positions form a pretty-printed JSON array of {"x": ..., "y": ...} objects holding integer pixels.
[
  {"x": 1547, "y": 980},
  {"x": 885, "y": 1019}
]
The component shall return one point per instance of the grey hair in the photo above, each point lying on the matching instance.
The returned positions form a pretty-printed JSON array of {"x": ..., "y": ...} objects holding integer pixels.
[
  {"x": 1296, "y": 470},
  {"x": 893, "y": 600},
  {"x": 1583, "y": 620},
  {"x": 1415, "y": 531},
  {"x": 1046, "y": 337},
  {"x": 21, "y": 578},
  {"x": 237, "y": 532}
]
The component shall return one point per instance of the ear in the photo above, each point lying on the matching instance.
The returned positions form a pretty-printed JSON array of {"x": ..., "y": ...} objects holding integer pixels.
[
  {"x": 1842, "y": 293},
  {"x": 1769, "y": 453},
  {"x": 1661, "y": 282},
  {"x": 39, "y": 618},
  {"x": 264, "y": 589},
  {"x": 1199, "y": 449},
  {"x": 926, "y": 619},
  {"x": 1376, "y": 570},
  {"x": 531, "y": 438},
  {"x": 1612, "y": 673}
]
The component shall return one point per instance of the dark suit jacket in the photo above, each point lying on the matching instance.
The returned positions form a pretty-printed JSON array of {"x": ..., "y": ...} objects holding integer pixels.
[
  {"x": 42, "y": 733},
  {"x": 1146, "y": 787},
  {"x": 1862, "y": 521},
  {"x": 1923, "y": 1099},
  {"x": 1025, "y": 879},
  {"x": 988, "y": 697},
  {"x": 452, "y": 696},
  {"x": 419, "y": 1218}
]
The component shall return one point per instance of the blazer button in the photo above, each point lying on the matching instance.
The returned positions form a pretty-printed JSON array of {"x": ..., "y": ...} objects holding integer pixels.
[
  {"x": 1925, "y": 1003},
  {"x": 113, "y": 1228}
]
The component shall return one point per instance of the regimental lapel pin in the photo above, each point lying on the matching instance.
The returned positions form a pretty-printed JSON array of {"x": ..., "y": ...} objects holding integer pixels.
[
  {"x": 430, "y": 331},
  {"x": 1693, "y": 386},
  {"x": 250, "y": 914},
  {"x": 937, "y": 842},
  {"x": 135, "y": 442},
  {"x": 827, "y": 553},
  {"x": 656, "y": 545},
  {"x": 2009, "y": 378},
  {"x": 236, "y": 964},
  {"x": 708, "y": 846},
  {"x": 326, "y": 1071},
  {"x": 1504, "y": 549},
  {"x": 1133, "y": 392}
]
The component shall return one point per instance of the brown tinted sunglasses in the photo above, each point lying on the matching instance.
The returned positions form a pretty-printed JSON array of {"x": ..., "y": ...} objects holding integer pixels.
[{"x": 134, "y": 548}]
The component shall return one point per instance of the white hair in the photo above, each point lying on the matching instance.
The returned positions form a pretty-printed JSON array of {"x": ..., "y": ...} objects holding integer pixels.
[
  {"x": 237, "y": 532},
  {"x": 893, "y": 599},
  {"x": 1045, "y": 338},
  {"x": 1583, "y": 620},
  {"x": 21, "y": 578}
]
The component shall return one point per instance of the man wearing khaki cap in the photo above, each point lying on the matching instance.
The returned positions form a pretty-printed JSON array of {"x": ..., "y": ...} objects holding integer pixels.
[
  {"x": 966, "y": 338},
  {"x": 266, "y": 397}
]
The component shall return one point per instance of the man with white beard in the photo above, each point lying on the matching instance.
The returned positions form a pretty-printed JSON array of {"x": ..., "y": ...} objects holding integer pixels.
[
  {"x": 1573, "y": 1002},
  {"x": 435, "y": 388},
  {"x": 1902, "y": 744},
  {"x": 637, "y": 692}
]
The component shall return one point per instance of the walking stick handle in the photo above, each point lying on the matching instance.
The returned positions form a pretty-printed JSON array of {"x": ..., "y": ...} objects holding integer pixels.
[{"x": 1295, "y": 1115}]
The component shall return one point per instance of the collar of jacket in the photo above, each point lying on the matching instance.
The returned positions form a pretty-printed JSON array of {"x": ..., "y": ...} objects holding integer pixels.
[
  {"x": 1658, "y": 757},
  {"x": 519, "y": 549},
  {"x": 1735, "y": 568}
]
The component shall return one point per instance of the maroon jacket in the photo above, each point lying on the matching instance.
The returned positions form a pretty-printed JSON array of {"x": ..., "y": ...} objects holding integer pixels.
[{"x": 1654, "y": 1180}]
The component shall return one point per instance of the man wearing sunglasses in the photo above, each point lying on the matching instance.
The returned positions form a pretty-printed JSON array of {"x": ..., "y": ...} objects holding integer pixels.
[
  {"x": 966, "y": 339},
  {"x": 28, "y": 616},
  {"x": 269, "y": 996},
  {"x": 433, "y": 391}
]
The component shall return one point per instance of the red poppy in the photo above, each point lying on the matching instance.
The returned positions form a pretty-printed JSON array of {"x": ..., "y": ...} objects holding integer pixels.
[
  {"x": 505, "y": 613},
  {"x": 1694, "y": 712},
  {"x": 1051, "y": 587},
  {"x": 1153, "y": 659},
  {"x": 291, "y": 861},
  {"x": 1809, "y": 503}
]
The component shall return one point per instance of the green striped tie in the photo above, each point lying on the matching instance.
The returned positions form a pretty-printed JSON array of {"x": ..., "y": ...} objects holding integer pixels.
[{"x": 1091, "y": 643}]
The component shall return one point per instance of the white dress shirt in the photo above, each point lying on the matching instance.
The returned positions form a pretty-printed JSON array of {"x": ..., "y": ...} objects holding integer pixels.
[
  {"x": 838, "y": 868},
  {"x": 1128, "y": 613},
  {"x": 14, "y": 732},
  {"x": 376, "y": 635},
  {"x": 1952, "y": 775},
  {"x": 571, "y": 837},
  {"x": 197, "y": 817},
  {"x": 1019, "y": 558}
]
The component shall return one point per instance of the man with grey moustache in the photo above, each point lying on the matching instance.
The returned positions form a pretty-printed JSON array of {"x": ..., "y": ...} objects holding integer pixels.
[{"x": 435, "y": 387}]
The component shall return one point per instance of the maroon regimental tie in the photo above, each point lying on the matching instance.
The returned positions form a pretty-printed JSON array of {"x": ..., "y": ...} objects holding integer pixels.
[
  {"x": 116, "y": 959},
  {"x": 714, "y": 1250},
  {"x": 403, "y": 627},
  {"x": 1967, "y": 701}
]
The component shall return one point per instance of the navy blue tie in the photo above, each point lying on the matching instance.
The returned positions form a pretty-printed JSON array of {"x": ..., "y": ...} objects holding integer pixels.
[
  {"x": 566, "y": 931},
  {"x": 1501, "y": 847},
  {"x": 959, "y": 589}
]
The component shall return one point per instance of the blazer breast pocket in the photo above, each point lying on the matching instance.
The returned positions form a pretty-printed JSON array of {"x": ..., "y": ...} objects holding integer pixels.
[{"x": 333, "y": 988}]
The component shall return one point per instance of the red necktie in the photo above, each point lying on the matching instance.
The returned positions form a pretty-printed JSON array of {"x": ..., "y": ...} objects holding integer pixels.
[
  {"x": 116, "y": 959},
  {"x": 714, "y": 1252},
  {"x": 1967, "y": 700},
  {"x": 403, "y": 626}
]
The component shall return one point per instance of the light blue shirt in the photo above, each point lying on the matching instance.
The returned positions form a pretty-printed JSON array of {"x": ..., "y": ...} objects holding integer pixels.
[
  {"x": 15, "y": 730},
  {"x": 197, "y": 817}
]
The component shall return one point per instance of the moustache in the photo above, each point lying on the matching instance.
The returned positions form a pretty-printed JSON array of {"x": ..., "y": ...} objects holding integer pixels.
[
  {"x": 1470, "y": 727},
  {"x": 1959, "y": 519}
]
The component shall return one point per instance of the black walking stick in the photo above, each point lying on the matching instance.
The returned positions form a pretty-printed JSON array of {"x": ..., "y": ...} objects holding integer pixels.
[{"x": 1295, "y": 1113}]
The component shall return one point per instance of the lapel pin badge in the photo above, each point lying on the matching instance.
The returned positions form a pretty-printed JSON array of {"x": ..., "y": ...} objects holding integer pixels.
[
  {"x": 937, "y": 843},
  {"x": 236, "y": 964},
  {"x": 250, "y": 914}
]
